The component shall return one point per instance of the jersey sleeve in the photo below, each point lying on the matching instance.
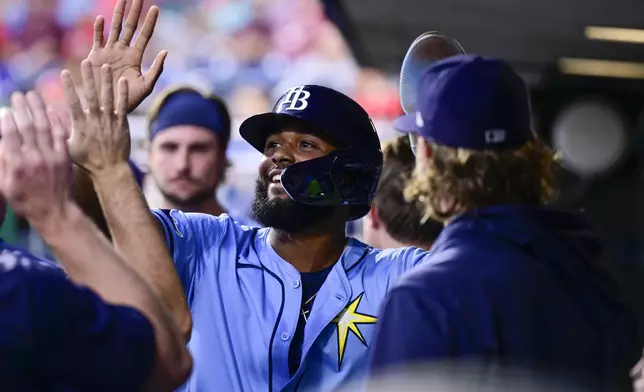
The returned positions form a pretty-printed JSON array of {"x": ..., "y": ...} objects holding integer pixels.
[
  {"x": 410, "y": 328},
  {"x": 190, "y": 237},
  {"x": 85, "y": 344}
]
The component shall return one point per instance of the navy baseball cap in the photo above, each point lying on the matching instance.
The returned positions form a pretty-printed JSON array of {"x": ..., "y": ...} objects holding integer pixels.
[{"x": 472, "y": 102}]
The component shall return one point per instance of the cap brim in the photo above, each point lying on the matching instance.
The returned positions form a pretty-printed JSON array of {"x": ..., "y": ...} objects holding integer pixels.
[
  {"x": 256, "y": 129},
  {"x": 406, "y": 124}
]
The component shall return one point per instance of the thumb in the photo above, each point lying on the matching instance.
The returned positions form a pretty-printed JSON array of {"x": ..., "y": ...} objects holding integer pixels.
[{"x": 153, "y": 74}]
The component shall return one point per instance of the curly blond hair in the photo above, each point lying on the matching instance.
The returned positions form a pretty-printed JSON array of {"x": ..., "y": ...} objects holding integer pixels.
[
  {"x": 402, "y": 219},
  {"x": 456, "y": 180}
]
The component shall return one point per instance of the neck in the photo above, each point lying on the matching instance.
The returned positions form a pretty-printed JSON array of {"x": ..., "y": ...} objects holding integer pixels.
[
  {"x": 210, "y": 206},
  {"x": 309, "y": 252}
]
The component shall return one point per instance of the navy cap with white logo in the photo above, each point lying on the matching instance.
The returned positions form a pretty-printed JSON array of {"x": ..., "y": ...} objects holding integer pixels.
[{"x": 471, "y": 102}]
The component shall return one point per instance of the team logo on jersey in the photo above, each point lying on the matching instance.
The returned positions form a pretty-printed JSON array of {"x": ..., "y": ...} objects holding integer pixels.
[
  {"x": 349, "y": 320},
  {"x": 296, "y": 98}
]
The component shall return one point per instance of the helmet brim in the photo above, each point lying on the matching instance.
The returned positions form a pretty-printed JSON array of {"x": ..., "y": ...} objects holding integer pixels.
[{"x": 256, "y": 129}]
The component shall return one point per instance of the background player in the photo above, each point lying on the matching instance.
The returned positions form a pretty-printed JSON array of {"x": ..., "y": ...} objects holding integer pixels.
[
  {"x": 59, "y": 335},
  {"x": 189, "y": 134},
  {"x": 393, "y": 222},
  {"x": 509, "y": 281}
]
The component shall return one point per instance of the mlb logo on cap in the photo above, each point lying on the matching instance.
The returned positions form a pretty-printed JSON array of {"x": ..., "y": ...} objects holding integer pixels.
[{"x": 471, "y": 102}]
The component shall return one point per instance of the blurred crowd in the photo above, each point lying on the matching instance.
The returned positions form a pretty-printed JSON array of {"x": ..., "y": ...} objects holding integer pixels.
[{"x": 246, "y": 51}]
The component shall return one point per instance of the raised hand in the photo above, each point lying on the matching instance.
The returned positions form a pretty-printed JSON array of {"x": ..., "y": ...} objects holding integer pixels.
[
  {"x": 125, "y": 60},
  {"x": 34, "y": 161},
  {"x": 637, "y": 374},
  {"x": 100, "y": 134}
]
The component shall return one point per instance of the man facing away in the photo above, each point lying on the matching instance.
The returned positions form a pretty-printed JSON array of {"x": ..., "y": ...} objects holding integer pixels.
[
  {"x": 509, "y": 281},
  {"x": 97, "y": 325},
  {"x": 394, "y": 222}
]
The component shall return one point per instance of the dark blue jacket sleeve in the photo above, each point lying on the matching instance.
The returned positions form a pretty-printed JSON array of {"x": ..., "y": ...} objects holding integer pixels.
[
  {"x": 410, "y": 328},
  {"x": 86, "y": 344}
]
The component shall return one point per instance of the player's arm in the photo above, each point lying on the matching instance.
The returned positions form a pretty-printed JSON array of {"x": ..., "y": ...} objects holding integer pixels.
[
  {"x": 110, "y": 343},
  {"x": 100, "y": 144},
  {"x": 87, "y": 199},
  {"x": 35, "y": 180},
  {"x": 411, "y": 327}
]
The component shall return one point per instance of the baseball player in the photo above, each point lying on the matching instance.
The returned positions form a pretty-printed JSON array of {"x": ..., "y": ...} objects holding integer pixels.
[
  {"x": 289, "y": 307},
  {"x": 105, "y": 330},
  {"x": 509, "y": 281},
  {"x": 189, "y": 133},
  {"x": 393, "y": 222}
]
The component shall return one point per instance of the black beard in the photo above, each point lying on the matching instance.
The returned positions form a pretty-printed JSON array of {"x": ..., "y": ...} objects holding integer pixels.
[
  {"x": 286, "y": 214},
  {"x": 190, "y": 203}
]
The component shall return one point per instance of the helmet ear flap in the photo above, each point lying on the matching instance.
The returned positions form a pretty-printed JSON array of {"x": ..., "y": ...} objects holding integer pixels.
[{"x": 332, "y": 180}]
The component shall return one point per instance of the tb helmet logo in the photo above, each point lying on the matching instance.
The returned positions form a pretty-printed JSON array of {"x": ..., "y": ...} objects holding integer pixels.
[{"x": 296, "y": 98}]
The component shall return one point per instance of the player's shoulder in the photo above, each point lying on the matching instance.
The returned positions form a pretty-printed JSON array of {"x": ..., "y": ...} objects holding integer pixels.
[
  {"x": 194, "y": 224},
  {"x": 446, "y": 267},
  {"x": 16, "y": 260},
  {"x": 20, "y": 273},
  {"x": 398, "y": 254},
  {"x": 381, "y": 261}
]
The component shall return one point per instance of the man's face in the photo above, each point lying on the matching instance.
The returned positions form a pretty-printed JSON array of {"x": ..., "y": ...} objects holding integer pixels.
[
  {"x": 187, "y": 164},
  {"x": 272, "y": 207}
]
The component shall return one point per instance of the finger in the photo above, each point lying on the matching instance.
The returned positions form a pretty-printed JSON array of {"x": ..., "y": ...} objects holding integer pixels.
[
  {"x": 89, "y": 84},
  {"x": 132, "y": 22},
  {"x": 153, "y": 74},
  {"x": 148, "y": 29},
  {"x": 117, "y": 21},
  {"x": 40, "y": 120},
  {"x": 107, "y": 89},
  {"x": 99, "y": 31},
  {"x": 638, "y": 385},
  {"x": 121, "y": 105},
  {"x": 11, "y": 140},
  {"x": 23, "y": 120},
  {"x": 71, "y": 96},
  {"x": 59, "y": 132}
]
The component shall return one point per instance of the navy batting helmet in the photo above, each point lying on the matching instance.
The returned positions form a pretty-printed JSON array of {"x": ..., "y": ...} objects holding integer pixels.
[{"x": 347, "y": 176}]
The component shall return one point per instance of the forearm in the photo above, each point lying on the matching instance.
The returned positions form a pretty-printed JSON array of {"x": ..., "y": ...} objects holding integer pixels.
[
  {"x": 138, "y": 236},
  {"x": 90, "y": 260},
  {"x": 87, "y": 200}
]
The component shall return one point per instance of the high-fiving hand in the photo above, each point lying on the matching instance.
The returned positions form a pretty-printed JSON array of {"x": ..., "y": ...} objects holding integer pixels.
[
  {"x": 637, "y": 374},
  {"x": 100, "y": 134},
  {"x": 125, "y": 60},
  {"x": 34, "y": 162}
]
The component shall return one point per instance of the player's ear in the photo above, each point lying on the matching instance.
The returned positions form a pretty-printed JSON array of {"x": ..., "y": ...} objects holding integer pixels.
[
  {"x": 373, "y": 218},
  {"x": 423, "y": 149}
]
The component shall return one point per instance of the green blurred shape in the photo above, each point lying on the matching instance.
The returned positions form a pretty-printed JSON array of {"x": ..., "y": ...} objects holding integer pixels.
[{"x": 9, "y": 228}]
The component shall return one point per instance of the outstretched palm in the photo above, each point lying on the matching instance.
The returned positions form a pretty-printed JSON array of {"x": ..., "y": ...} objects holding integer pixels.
[{"x": 125, "y": 60}]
